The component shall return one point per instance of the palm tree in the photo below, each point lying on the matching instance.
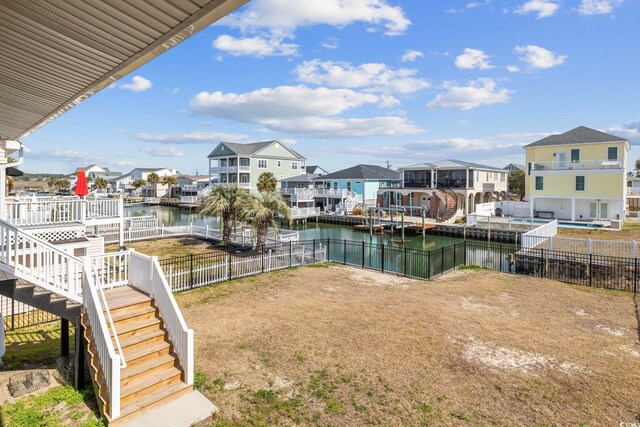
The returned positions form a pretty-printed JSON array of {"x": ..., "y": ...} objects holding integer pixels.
[
  {"x": 10, "y": 184},
  {"x": 62, "y": 183},
  {"x": 638, "y": 168},
  {"x": 267, "y": 182},
  {"x": 227, "y": 202},
  {"x": 169, "y": 181},
  {"x": 153, "y": 179},
  {"x": 262, "y": 210},
  {"x": 100, "y": 183},
  {"x": 138, "y": 183}
]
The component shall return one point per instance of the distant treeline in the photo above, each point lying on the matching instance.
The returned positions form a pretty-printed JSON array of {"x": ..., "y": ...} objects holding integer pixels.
[{"x": 40, "y": 176}]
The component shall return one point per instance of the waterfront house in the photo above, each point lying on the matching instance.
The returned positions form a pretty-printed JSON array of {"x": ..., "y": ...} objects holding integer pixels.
[
  {"x": 512, "y": 167},
  {"x": 242, "y": 164},
  {"x": 316, "y": 170},
  {"x": 122, "y": 183},
  {"x": 578, "y": 175},
  {"x": 358, "y": 185},
  {"x": 190, "y": 188},
  {"x": 299, "y": 193},
  {"x": 446, "y": 188}
]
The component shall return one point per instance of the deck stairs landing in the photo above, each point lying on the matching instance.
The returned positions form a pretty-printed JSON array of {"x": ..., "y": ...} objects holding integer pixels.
[{"x": 153, "y": 374}]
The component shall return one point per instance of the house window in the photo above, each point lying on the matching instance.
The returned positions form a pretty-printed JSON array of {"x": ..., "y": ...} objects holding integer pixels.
[
  {"x": 612, "y": 153},
  {"x": 244, "y": 162},
  {"x": 503, "y": 177},
  {"x": 262, "y": 164},
  {"x": 487, "y": 176},
  {"x": 279, "y": 163},
  {"x": 579, "y": 183},
  {"x": 335, "y": 185},
  {"x": 539, "y": 182},
  {"x": 294, "y": 165},
  {"x": 348, "y": 185},
  {"x": 575, "y": 155}
]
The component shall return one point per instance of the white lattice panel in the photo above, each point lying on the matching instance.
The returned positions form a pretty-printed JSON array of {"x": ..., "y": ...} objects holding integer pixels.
[{"x": 54, "y": 234}]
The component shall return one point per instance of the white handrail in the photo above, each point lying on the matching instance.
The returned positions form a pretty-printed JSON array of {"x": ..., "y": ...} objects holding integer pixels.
[
  {"x": 539, "y": 235},
  {"x": 38, "y": 261},
  {"x": 146, "y": 274},
  {"x": 109, "y": 360},
  {"x": 99, "y": 286}
]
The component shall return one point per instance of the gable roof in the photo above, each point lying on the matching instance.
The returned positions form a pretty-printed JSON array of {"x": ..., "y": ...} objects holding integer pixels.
[
  {"x": 579, "y": 135},
  {"x": 451, "y": 164},
  {"x": 251, "y": 148},
  {"x": 309, "y": 177},
  {"x": 364, "y": 172},
  {"x": 314, "y": 169},
  {"x": 515, "y": 166}
]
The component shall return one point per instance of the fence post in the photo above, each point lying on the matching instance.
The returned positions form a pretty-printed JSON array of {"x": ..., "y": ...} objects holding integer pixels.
[
  {"x": 314, "y": 250},
  {"x": 344, "y": 253},
  {"x": 382, "y": 259},
  {"x": 328, "y": 244},
  {"x": 442, "y": 261},
  {"x": 229, "y": 275},
  {"x": 590, "y": 265},
  {"x": 191, "y": 270},
  {"x": 363, "y": 252},
  {"x": 291, "y": 255},
  {"x": 635, "y": 275},
  {"x": 263, "y": 257},
  {"x": 455, "y": 245},
  {"x": 171, "y": 277},
  {"x": 405, "y": 260},
  {"x": 464, "y": 254},
  {"x": 541, "y": 262},
  {"x": 501, "y": 260},
  {"x": 428, "y": 265}
]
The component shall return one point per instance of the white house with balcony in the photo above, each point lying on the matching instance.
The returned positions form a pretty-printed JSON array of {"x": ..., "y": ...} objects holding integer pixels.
[
  {"x": 446, "y": 188},
  {"x": 122, "y": 183},
  {"x": 242, "y": 164},
  {"x": 580, "y": 175}
]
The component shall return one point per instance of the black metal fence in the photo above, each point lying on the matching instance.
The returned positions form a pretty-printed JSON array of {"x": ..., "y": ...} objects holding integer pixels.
[{"x": 17, "y": 315}]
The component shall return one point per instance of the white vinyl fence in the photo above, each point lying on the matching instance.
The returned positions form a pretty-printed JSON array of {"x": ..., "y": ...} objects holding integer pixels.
[
  {"x": 610, "y": 248},
  {"x": 539, "y": 235},
  {"x": 192, "y": 272}
]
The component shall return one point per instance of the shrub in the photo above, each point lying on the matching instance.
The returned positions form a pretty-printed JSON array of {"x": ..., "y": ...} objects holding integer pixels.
[{"x": 358, "y": 211}]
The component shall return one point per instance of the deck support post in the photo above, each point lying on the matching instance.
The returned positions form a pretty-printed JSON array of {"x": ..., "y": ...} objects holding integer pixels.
[
  {"x": 64, "y": 338},
  {"x": 78, "y": 377}
]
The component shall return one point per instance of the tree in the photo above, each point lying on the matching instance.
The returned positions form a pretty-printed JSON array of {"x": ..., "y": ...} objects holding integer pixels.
[
  {"x": 9, "y": 184},
  {"x": 11, "y": 159},
  {"x": 138, "y": 183},
  {"x": 153, "y": 179},
  {"x": 227, "y": 202},
  {"x": 267, "y": 182},
  {"x": 100, "y": 183},
  {"x": 169, "y": 181},
  {"x": 515, "y": 183},
  {"x": 261, "y": 210},
  {"x": 638, "y": 168},
  {"x": 63, "y": 183}
]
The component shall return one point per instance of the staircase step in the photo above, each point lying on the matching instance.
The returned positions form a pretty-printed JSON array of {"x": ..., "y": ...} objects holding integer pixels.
[
  {"x": 135, "y": 328},
  {"x": 142, "y": 355},
  {"x": 167, "y": 394},
  {"x": 149, "y": 384},
  {"x": 124, "y": 317},
  {"x": 143, "y": 340},
  {"x": 126, "y": 298},
  {"x": 150, "y": 366}
]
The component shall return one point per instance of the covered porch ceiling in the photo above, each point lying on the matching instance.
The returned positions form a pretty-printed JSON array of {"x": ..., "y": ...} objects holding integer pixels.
[{"x": 54, "y": 54}]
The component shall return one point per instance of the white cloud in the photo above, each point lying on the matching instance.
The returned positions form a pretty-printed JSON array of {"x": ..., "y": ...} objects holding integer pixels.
[
  {"x": 300, "y": 110},
  {"x": 173, "y": 91},
  {"x": 330, "y": 43},
  {"x": 411, "y": 55},
  {"x": 513, "y": 68},
  {"x": 629, "y": 130},
  {"x": 474, "y": 94},
  {"x": 281, "y": 102},
  {"x": 254, "y": 46},
  {"x": 163, "y": 151},
  {"x": 137, "y": 84},
  {"x": 539, "y": 57},
  {"x": 197, "y": 137},
  {"x": 372, "y": 77},
  {"x": 285, "y": 16},
  {"x": 543, "y": 8},
  {"x": 324, "y": 127},
  {"x": 598, "y": 7},
  {"x": 473, "y": 59},
  {"x": 79, "y": 157}
]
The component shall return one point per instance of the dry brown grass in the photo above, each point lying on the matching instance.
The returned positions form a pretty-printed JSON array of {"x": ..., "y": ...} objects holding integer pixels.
[
  {"x": 341, "y": 346},
  {"x": 170, "y": 248},
  {"x": 630, "y": 231}
]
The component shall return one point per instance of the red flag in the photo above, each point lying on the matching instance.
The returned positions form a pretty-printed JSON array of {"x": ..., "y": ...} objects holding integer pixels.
[{"x": 81, "y": 185}]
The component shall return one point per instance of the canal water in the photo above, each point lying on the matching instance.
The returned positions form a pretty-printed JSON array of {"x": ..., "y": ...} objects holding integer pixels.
[{"x": 170, "y": 216}]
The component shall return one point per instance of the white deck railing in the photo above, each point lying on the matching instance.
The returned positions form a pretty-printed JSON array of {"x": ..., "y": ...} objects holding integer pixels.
[
  {"x": 109, "y": 360},
  {"x": 539, "y": 235},
  {"x": 43, "y": 212},
  {"x": 112, "y": 269},
  {"x": 577, "y": 165},
  {"x": 38, "y": 261},
  {"x": 304, "y": 212},
  {"x": 145, "y": 272}
]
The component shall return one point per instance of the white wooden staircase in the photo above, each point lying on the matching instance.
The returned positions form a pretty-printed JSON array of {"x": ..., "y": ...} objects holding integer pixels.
[{"x": 139, "y": 349}]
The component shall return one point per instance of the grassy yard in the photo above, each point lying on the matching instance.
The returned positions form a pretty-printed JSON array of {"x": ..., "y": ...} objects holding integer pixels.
[
  {"x": 170, "y": 248},
  {"x": 340, "y": 346},
  {"x": 34, "y": 347},
  {"x": 630, "y": 231}
]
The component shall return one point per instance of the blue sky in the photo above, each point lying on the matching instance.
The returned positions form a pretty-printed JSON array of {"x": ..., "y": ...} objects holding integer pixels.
[{"x": 366, "y": 81}]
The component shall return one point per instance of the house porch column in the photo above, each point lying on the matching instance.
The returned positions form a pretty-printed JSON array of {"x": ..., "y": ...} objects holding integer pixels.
[
  {"x": 573, "y": 209},
  {"x": 531, "y": 205}
]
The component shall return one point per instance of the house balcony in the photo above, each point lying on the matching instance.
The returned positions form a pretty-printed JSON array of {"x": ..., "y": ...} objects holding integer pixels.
[
  {"x": 579, "y": 165},
  {"x": 298, "y": 194},
  {"x": 229, "y": 169},
  {"x": 333, "y": 193},
  {"x": 633, "y": 191},
  {"x": 390, "y": 185}
]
